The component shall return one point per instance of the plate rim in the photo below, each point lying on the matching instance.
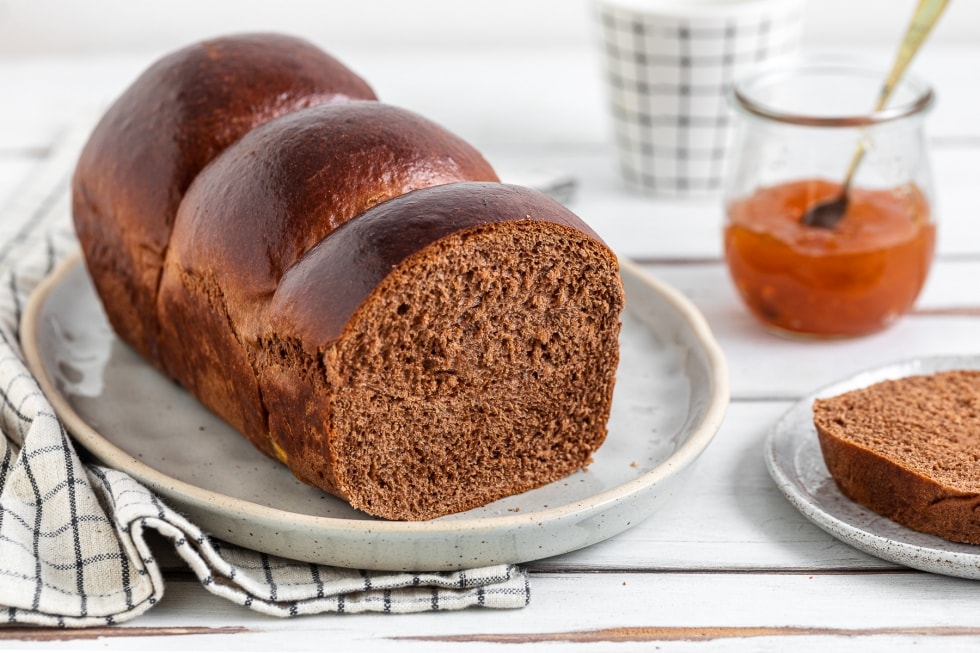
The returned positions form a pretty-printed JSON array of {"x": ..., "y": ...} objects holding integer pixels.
[
  {"x": 698, "y": 439},
  {"x": 961, "y": 564}
]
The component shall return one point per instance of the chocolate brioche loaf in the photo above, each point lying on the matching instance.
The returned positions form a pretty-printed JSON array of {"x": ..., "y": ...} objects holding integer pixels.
[
  {"x": 347, "y": 283},
  {"x": 909, "y": 449}
]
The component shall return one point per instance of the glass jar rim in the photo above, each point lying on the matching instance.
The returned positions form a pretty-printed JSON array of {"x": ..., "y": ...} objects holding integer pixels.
[{"x": 923, "y": 100}]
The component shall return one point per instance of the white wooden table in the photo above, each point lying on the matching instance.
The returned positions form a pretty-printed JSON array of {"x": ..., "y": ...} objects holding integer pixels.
[{"x": 730, "y": 565}]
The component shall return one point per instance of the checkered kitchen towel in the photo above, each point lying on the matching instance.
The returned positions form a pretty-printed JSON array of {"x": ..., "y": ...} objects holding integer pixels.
[{"x": 73, "y": 549}]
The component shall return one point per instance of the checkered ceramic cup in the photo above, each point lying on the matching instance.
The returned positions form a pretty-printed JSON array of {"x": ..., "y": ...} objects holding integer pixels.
[{"x": 669, "y": 67}]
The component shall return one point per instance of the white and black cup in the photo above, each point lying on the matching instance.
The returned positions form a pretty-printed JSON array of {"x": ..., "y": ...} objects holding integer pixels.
[{"x": 669, "y": 67}]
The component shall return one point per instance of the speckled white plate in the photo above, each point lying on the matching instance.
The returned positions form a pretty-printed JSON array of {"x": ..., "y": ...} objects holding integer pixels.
[
  {"x": 796, "y": 464},
  {"x": 671, "y": 395}
]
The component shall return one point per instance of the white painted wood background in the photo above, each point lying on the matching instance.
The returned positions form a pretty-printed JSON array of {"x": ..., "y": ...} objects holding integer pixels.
[{"x": 728, "y": 566}]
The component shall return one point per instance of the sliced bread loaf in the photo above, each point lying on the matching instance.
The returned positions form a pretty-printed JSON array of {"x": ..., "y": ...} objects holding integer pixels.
[{"x": 347, "y": 283}]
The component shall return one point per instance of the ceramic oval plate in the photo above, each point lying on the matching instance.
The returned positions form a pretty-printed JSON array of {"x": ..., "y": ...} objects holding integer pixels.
[
  {"x": 670, "y": 397},
  {"x": 796, "y": 464}
]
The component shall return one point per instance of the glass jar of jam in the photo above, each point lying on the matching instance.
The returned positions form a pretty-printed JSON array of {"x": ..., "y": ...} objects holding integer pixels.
[{"x": 798, "y": 128}]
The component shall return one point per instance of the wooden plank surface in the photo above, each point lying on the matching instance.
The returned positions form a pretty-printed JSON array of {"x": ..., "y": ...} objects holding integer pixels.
[
  {"x": 612, "y": 611},
  {"x": 544, "y": 98}
]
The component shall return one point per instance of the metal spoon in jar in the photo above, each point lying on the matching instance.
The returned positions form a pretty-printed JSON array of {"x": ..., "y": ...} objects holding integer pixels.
[{"x": 828, "y": 213}]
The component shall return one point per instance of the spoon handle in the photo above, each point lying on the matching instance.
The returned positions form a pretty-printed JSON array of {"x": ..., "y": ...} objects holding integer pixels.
[
  {"x": 926, "y": 14},
  {"x": 925, "y": 17}
]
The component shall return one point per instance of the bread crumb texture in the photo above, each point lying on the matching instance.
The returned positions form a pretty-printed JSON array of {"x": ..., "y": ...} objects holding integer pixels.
[
  {"x": 909, "y": 449},
  {"x": 482, "y": 369}
]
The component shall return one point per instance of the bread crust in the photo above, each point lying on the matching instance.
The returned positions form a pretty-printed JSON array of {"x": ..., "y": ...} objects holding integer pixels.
[
  {"x": 257, "y": 209},
  {"x": 907, "y": 449},
  {"x": 334, "y": 278},
  {"x": 288, "y": 184},
  {"x": 160, "y": 133}
]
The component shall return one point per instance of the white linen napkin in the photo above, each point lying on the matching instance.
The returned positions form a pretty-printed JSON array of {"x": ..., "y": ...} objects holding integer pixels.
[{"x": 73, "y": 548}]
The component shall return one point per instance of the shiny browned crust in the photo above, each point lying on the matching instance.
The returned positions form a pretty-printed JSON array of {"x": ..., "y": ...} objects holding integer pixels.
[
  {"x": 257, "y": 209},
  {"x": 161, "y": 132},
  {"x": 909, "y": 449},
  {"x": 336, "y": 276}
]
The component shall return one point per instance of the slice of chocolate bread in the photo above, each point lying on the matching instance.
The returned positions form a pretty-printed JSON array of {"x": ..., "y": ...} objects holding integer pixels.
[{"x": 909, "y": 449}]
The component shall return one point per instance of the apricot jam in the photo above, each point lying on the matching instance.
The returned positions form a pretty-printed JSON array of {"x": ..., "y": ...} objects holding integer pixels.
[{"x": 852, "y": 279}]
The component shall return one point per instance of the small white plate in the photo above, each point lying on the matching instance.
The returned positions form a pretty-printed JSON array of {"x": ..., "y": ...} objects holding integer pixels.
[
  {"x": 670, "y": 397},
  {"x": 796, "y": 464}
]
